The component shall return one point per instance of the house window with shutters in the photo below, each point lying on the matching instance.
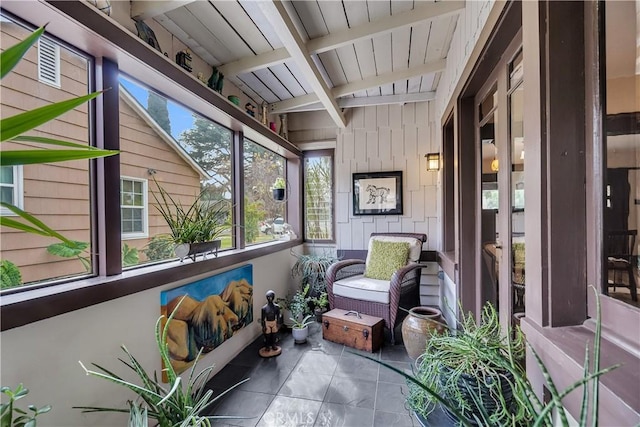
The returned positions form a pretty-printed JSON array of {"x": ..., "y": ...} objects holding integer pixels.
[{"x": 48, "y": 62}]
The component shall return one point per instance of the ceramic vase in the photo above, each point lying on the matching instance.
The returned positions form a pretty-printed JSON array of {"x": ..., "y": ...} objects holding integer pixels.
[{"x": 417, "y": 328}]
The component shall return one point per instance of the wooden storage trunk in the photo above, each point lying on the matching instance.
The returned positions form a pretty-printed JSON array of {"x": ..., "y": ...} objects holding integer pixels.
[{"x": 353, "y": 329}]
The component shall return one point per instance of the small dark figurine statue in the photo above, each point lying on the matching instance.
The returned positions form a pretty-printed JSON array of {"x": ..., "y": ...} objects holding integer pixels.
[
  {"x": 250, "y": 109},
  {"x": 271, "y": 322}
]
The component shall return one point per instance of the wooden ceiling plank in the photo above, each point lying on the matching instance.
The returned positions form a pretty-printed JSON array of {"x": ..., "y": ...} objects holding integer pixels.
[
  {"x": 146, "y": 9},
  {"x": 295, "y": 70},
  {"x": 311, "y": 19},
  {"x": 400, "y": 43},
  {"x": 371, "y": 82},
  {"x": 275, "y": 85},
  {"x": 241, "y": 22},
  {"x": 414, "y": 84},
  {"x": 419, "y": 41},
  {"x": 257, "y": 62},
  {"x": 285, "y": 75},
  {"x": 368, "y": 101},
  {"x": 261, "y": 22},
  {"x": 204, "y": 12},
  {"x": 252, "y": 81},
  {"x": 181, "y": 35},
  {"x": 334, "y": 68},
  {"x": 356, "y": 13},
  {"x": 199, "y": 32},
  {"x": 292, "y": 41},
  {"x": 436, "y": 49}
]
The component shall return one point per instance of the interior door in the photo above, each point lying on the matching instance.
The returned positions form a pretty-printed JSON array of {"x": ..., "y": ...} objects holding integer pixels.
[{"x": 500, "y": 149}]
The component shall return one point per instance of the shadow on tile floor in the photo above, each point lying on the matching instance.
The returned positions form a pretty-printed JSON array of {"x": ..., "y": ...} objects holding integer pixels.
[{"x": 318, "y": 383}]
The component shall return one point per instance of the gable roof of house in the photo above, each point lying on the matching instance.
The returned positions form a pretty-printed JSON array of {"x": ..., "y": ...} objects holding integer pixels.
[{"x": 166, "y": 137}]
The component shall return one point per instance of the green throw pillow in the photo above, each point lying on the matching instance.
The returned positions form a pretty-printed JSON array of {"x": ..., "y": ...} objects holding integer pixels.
[{"x": 386, "y": 258}]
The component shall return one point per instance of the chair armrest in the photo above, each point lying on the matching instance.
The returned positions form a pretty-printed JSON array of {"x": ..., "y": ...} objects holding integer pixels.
[
  {"x": 335, "y": 269},
  {"x": 399, "y": 276}
]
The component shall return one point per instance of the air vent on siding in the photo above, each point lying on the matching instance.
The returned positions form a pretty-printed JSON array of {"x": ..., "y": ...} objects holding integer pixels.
[{"x": 49, "y": 62}]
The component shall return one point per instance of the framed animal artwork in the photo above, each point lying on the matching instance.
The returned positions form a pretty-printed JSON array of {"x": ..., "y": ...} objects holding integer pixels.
[
  {"x": 210, "y": 311},
  {"x": 377, "y": 193}
]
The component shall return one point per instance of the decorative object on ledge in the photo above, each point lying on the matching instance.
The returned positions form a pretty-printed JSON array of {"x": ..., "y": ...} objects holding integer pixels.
[
  {"x": 279, "y": 188},
  {"x": 284, "y": 132},
  {"x": 250, "y": 109},
  {"x": 377, "y": 193},
  {"x": 192, "y": 250},
  {"x": 147, "y": 34},
  {"x": 263, "y": 117},
  {"x": 183, "y": 59},
  {"x": 234, "y": 99},
  {"x": 201, "y": 78},
  {"x": 433, "y": 162},
  {"x": 272, "y": 126},
  {"x": 103, "y": 6},
  {"x": 213, "y": 79},
  {"x": 219, "y": 83}
]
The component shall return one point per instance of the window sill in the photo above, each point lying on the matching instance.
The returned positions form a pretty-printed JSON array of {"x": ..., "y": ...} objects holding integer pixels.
[
  {"x": 21, "y": 308},
  {"x": 447, "y": 262},
  {"x": 562, "y": 351}
]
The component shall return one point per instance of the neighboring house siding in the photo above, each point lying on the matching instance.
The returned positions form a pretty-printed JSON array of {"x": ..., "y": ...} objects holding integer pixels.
[
  {"x": 142, "y": 149},
  {"x": 45, "y": 186}
]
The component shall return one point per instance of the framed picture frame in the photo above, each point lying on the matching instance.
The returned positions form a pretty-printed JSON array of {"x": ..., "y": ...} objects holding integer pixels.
[
  {"x": 146, "y": 33},
  {"x": 377, "y": 193}
]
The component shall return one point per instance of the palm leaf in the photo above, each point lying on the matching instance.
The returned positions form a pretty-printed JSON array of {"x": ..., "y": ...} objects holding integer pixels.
[
  {"x": 41, "y": 227},
  {"x": 10, "y": 57},
  {"x": 13, "y": 126},
  {"x": 30, "y": 157}
]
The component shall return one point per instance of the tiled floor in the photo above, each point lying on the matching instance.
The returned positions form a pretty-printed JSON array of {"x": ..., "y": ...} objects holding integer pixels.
[{"x": 319, "y": 383}]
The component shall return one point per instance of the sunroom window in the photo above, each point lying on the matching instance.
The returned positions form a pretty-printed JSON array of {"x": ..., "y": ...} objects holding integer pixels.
[{"x": 11, "y": 188}]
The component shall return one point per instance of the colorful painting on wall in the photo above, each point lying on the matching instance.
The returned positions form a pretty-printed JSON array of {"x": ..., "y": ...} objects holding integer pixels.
[{"x": 213, "y": 309}]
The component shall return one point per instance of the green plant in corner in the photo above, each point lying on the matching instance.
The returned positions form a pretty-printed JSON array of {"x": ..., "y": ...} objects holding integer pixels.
[
  {"x": 301, "y": 324},
  {"x": 171, "y": 405},
  {"x": 12, "y": 129},
  {"x": 22, "y": 417}
]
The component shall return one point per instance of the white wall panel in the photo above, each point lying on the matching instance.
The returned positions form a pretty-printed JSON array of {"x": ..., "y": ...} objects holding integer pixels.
[
  {"x": 382, "y": 116},
  {"x": 395, "y": 116}
]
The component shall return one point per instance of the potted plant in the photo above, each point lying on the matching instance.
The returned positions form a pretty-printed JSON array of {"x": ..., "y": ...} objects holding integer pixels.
[
  {"x": 10, "y": 409},
  {"x": 172, "y": 404},
  {"x": 311, "y": 270},
  {"x": 195, "y": 229},
  {"x": 320, "y": 304},
  {"x": 473, "y": 369},
  {"x": 300, "y": 328},
  {"x": 278, "y": 188}
]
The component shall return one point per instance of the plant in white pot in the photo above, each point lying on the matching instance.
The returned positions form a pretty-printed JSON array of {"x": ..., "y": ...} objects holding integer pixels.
[
  {"x": 195, "y": 229},
  {"x": 301, "y": 316},
  {"x": 300, "y": 328}
]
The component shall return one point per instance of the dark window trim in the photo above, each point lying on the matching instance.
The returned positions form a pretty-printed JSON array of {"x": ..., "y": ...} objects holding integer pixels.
[
  {"x": 21, "y": 308},
  {"x": 321, "y": 153}
]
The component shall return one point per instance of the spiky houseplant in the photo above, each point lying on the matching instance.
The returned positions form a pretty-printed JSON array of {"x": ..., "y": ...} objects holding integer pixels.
[
  {"x": 539, "y": 413},
  {"x": 171, "y": 404}
]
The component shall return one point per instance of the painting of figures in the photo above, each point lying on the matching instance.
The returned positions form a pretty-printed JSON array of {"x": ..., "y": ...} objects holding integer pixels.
[{"x": 211, "y": 311}]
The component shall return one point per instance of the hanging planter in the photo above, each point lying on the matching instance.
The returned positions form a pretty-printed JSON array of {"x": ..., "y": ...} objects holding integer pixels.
[{"x": 279, "y": 188}]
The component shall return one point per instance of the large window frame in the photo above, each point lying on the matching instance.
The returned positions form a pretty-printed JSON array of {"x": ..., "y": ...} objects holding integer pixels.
[
  {"x": 310, "y": 154},
  {"x": 68, "y": 22}
]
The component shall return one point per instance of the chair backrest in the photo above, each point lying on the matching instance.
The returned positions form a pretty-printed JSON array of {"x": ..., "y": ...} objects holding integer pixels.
[
  {"x": 620, "y": 243},
  {"x": 415, "y": 241}
]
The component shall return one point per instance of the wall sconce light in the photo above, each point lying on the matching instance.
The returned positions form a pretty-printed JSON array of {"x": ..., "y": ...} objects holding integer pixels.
[{"x": 433, "y": 162}]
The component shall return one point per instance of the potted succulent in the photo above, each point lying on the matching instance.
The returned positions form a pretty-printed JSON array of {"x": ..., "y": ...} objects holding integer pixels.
[
  {"x": 300, "y": 328},
  {"x": 278, "y": 188},
  {"x": 195, "y": 229},
  {"x": 300, "y": 315}
]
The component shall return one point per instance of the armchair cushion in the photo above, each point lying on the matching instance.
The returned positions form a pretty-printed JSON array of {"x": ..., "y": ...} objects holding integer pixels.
[
  {"x": 415, "y": 245},
  {"x": 363, "y": 289},
  {"x": 385, "y": 258}
]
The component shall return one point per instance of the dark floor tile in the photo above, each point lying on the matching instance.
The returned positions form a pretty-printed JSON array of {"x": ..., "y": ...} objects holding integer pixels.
[
  {"x": 266, "y": 380},
  {"x": 318, "y": 363},
  {"x": 336, "y": 415},
  {"x": 391, "y": 397},
  {"x": 306, "y": 385},
  {"x": 249, "y": 405},
  {"x": 229, "y": 376},
  {"x": 389, "y": 376},
  {"x": 353, "y": 366},
  {"x": 390, "y": 419},
  {"x": 352, "y": 392},
  {"x": 319, "y": 344},
  {"x": 289, "y": 412},
  {"x": 395, "y": 353},
  {"x": 352, "y": 352}
]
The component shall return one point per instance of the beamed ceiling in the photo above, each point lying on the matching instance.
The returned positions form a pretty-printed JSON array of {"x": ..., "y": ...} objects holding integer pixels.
[{"x": 317, "y": 54}]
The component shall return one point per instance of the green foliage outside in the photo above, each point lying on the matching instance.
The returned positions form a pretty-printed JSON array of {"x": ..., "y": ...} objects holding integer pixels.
[
  {"x": 10, "y": 276},
  {"x": 253, "y": 213},
  {"x": 129, "y": 256},
  {"x": 157, "y": 109},
  {"x": 159, "y": 248}
]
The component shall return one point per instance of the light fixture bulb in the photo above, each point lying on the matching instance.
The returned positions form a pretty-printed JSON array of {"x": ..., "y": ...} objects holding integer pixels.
[{"x": 495, "y": 165}]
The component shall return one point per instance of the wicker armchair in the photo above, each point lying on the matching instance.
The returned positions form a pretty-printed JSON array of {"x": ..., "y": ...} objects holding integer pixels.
[{"x": 349, "y": 289}]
